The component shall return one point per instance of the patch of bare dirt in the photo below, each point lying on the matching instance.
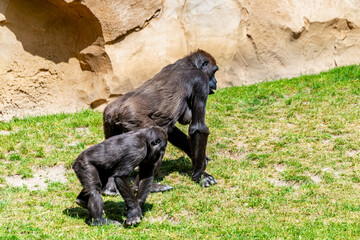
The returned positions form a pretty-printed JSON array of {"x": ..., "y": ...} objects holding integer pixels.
[
  {"x": 41, "y": 178},
  {"x": 353, "y": 153},
  {"x": 315, "y": 178},
  {"x": 280, "y": 168},
  {"x": 4, "y": 132},
  {"x": 281, "y": 183}
]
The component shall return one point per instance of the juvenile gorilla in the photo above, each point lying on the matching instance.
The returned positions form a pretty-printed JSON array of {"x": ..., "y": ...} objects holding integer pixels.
[
  {"x": 178, "y": 93},
  {"x": 117, "y": 157}
]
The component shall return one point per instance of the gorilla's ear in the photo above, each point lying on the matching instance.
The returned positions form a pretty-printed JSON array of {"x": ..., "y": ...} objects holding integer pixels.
[
  {"x": 156, "y": 142},
  {"x": 152, "y": 137},
  {"x": 199, "y": 60}
]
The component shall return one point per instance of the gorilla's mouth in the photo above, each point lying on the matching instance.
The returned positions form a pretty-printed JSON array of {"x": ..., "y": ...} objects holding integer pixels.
[{"x": 212, "y": 85}]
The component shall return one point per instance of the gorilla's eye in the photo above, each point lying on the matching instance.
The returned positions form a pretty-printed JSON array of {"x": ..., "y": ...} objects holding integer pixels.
[
  {"x": 204, "y": 65},
  {"x": 156, "y": 142}
]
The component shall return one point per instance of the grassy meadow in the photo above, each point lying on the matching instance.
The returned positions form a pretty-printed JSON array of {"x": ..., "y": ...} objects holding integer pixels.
[{"x": 286, "y": 155}]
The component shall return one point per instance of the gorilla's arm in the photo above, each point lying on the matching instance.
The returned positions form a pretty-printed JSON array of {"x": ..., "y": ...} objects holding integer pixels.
[
  {"x": 146, "y": 175},
  {"x": 198, "y": 132},
  {"x": 134, "y": 212}
]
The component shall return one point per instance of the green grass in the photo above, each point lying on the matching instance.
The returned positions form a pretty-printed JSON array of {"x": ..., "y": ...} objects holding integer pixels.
[{"x": 286, "y": 155}]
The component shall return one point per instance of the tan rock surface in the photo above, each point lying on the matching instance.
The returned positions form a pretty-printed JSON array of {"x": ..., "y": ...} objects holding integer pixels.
[{"x": 64, "y": 55}]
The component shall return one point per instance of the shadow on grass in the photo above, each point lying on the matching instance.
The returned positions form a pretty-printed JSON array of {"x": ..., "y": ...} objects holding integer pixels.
[
  {"x": 117, "y": 210},
  {"x": 113, "y": 210},
  {"x": 181, "y": 165}
]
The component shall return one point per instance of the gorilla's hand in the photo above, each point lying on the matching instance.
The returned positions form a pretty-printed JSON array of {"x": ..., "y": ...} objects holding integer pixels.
[
  {"x": 134, "y": 216},
  {"x": 204, "y": 178}
]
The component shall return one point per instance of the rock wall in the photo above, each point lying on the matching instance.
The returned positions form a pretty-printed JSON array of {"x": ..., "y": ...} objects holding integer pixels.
[{"x": 62, "y": 55}]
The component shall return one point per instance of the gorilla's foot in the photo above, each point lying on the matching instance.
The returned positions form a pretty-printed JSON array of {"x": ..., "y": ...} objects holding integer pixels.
[
  {"x": 157, "y": 187},
  {"x": 102, "y": 221},
  {"x": 134, "y": 216},
  {"x": 110, "y": 191},
  {"x": 133, "y": 221},
  {"x": 81, "y": 203}
]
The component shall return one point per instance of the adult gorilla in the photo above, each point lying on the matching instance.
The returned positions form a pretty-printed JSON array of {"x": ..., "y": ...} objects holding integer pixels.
[{"x": 177, "y": 93}]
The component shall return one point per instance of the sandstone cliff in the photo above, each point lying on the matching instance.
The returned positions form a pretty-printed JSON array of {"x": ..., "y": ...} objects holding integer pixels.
[{"x": 62, "y": 55}]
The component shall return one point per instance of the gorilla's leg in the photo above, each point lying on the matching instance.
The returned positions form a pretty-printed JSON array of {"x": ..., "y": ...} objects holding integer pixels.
[
  {"x": 82, "y": 199},
  {"x": 134, "y": 212},
  {"x": 110, "y": 129},
  {"x": 96, "y": 209},
  {"x": 155, "y": 187},
  {"x": 90, "y": 197},
  {"x": 110, "y": 188},
  {"x": 179, "y": 140}
]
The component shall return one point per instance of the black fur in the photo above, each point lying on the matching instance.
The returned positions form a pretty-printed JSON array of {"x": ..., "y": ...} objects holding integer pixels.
[
  {"x": 178, "y": 93},
  {"x": 117, "y": 157}
]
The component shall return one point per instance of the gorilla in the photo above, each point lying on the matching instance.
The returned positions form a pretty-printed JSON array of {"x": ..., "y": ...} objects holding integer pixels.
[
  {"x": 116, "y": 158},
  {"x": 178, "y": 93}
]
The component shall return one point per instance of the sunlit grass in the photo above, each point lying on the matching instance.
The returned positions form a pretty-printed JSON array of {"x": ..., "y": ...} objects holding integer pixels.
[{"x": 286, "y": 155}]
